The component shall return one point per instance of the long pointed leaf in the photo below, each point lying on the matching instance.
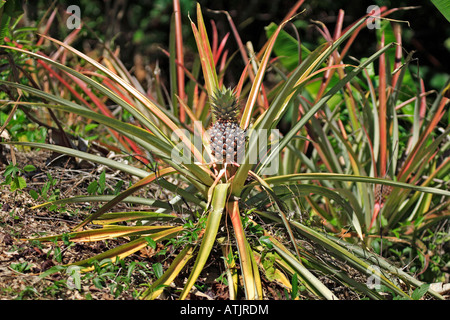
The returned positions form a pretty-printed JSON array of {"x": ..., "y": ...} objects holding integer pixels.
[
  {"x": 166, "y": 279},
  {"x": 115, "y": 217},
  {"x": 138, "y": 185},
  {"x": 108, "y": 232},
  {"x": 345, "y": 177},
  {"x": 289, "y": 136},
  {"x": 129, "y": 248},
  {"x": 134, "y": 171},
  {"x": 105, "y": 198},
  {"x": 342, "y": 253},
  {"x": 245, "y": 254},
  {"x": 306, "y": 274},
  {"x": 212, "y": 226}
]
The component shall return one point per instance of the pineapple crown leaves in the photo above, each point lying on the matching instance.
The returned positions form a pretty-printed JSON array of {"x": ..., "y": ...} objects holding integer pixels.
[{"x": 224, "y": 104}]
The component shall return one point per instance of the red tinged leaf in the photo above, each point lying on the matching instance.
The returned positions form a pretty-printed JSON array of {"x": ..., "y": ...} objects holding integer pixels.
[
  {"x": 180, "y": 55},
  {"x": 382, "y": 111},
  {"x": 405, "y": 172},
  {"x": 398, "y": 52}
]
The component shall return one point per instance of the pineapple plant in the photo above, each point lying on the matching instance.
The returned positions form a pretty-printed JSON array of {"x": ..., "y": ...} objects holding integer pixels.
[{"x": 227, "y": 139}]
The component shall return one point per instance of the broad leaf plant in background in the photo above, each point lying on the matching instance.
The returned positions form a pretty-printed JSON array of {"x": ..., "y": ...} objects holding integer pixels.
[{"x": 256, "y": 212}]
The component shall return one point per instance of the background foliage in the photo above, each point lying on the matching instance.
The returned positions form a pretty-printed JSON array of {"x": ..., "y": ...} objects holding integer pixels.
[{"x": 139, "y": 28}]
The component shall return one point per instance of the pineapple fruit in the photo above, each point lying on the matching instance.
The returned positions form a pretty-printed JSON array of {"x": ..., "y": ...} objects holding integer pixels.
[
  {"x": 381, "y": 193},
  {"x": 227, "y": 139}
]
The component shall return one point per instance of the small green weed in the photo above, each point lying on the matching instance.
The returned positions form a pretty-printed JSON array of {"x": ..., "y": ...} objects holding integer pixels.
[
  {"x": 99, "y": 187},
  {"x": 297, "y": 288},
  {"x": 28, "y": 292},
  {"x": 191, "y": 232},
  {"x": 47, "y": 192},
  {"x": 119, "y": 278},
  {"x": 20, "y": 128},
  {"x": 21, "y": 267},
  {"x": 13, "y": 176},
  {"x": 58, "y": 250}
]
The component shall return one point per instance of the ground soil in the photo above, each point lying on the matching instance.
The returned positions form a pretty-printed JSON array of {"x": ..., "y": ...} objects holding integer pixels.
[{"x": 20, "y": 223}]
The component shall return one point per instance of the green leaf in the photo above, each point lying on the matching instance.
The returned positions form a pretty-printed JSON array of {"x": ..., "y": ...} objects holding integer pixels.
[
  {"x": 420, "y": 291},
  {"x": 34, "y": 194},
  {"x": 83, "y": 155},
  {"x": 212, "y": 226},
  {"x": 90, "y": 126},
  {"x": 286, "y": 47},
  {"x": 106, "y": 233},
  {"x": 114, "y": 217},
  {"x": 444, "y": 7},
  {"x": 75, "y": 279},
  {"x": 18, "y": 183},
  {"x": 175, "y": 268},
  {"x": 330, "y": 93},
  {"x": 102, "y": 182},
  {"x": 309, "y": 278},
  {"x": 104, "y": 198},
  {"x": 11, "y": 170},
  {"x": 266, "y": 241},
  {"x": 294, "y": 290},
  {"x": 140, "y": 184},
  {"x": 128, "y": 248},
  {"x": 8, "y": 10},
  {"x": 151, "y": 243},
  {"x": 341, "y": 253},
  {"x": 158, "y": 269},
  {"x": 286, "y": 179},
  {"x": 92, "y": 188},
  {"x": 204, "y": 50},
  {"x": 29, "y": 168},
  {"x": 51, "y": 271}
]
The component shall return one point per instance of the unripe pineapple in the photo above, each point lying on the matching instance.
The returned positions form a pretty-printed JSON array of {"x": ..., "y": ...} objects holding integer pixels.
[
  {"x": 227, "y": 138},
  {"x": 381, "y": 193}
]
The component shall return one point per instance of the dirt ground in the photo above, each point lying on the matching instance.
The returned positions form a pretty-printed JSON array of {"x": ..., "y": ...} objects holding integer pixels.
[{"x": 20, "y": 223}]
